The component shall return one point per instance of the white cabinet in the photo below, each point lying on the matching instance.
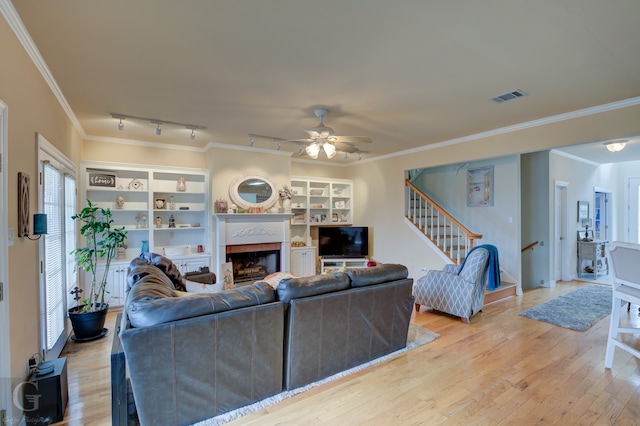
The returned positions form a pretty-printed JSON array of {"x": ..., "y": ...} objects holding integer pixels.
[
  {"x": 191, "y": 264},
  {"x": 115, "y": 293},
  {"x": 303, "y": 261},
  {"x": 335, "y": 264}
]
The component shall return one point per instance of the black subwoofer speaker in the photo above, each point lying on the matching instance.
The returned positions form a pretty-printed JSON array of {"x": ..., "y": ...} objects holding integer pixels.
[{"x": 46, "y": 394}]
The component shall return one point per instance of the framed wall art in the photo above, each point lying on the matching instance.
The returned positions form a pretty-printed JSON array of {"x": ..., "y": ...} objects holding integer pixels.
[{"x": 480, "y": 187}]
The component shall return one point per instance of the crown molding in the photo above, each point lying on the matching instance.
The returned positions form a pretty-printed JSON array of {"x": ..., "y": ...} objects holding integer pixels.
[{"x": 573, "y": 157}]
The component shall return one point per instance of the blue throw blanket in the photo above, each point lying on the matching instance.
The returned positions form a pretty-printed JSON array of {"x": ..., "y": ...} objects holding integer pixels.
[{"x": 493, "y": 272}]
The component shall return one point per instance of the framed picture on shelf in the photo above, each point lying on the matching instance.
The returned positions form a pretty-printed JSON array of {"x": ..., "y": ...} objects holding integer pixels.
[{"x": 160, "y": 203}]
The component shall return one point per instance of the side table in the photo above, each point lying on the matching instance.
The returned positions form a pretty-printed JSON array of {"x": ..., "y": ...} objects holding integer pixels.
[{"x": 594, "y": 252}]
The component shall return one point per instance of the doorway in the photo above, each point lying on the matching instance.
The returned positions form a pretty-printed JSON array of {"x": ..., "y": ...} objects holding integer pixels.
[{"x": 602, "y": 215}]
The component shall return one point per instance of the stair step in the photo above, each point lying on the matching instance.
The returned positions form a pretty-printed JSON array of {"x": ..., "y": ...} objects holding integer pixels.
[{"x": 502, "y": 292}]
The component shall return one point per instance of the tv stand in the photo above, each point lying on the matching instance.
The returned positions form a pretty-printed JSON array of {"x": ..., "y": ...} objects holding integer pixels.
[{"x": 333, "y": 264}]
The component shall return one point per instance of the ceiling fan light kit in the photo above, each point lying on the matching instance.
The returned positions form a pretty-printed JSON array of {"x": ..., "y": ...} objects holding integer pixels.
[{"x": 322, "y": 138}]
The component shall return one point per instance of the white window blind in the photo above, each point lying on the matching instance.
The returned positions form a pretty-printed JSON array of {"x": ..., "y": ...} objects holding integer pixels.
[
  {"x": 57, "y": 199},
  {"x": 54, "y": 267}
]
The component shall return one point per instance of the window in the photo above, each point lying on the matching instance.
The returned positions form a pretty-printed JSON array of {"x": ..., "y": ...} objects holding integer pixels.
[{"x": 58, "y": 201}]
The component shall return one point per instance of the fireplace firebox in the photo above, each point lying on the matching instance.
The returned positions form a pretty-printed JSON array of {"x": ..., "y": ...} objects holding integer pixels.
[{"x": 253, "y": 262}]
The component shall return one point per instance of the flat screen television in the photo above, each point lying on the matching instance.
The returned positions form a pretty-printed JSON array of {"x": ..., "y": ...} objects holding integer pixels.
[{"x": 343, "y": 241}]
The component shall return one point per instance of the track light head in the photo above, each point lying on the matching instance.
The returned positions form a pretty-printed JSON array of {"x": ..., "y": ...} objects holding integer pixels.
[
  {"x": 158, "y": 130},
  {"x": 193, "y": 134},
  {"x": 121, "y": 125},
  {"x": 278, "y": 147},
  {"x": 346, "y": 155},
  {"x": 359, "y": 156},
  {"x": 250, "y": 141}
]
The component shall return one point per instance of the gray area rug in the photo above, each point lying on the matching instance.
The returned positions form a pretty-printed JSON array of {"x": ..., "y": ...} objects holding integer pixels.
[
  {"x": 417, "y": 336},
  {"x": 578, "y": 310}
]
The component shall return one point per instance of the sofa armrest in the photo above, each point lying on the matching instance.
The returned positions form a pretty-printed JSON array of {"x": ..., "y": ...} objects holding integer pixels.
[{"x": 118, "y": 379}]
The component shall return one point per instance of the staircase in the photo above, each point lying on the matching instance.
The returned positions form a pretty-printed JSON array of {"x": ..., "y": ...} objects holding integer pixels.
[
  {"x": 444, "y": 231},
  {"x": 449, "y": 235}
]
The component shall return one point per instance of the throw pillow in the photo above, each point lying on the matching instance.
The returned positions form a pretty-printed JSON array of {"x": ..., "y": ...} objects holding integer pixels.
[{"x": 274, "y": 279}]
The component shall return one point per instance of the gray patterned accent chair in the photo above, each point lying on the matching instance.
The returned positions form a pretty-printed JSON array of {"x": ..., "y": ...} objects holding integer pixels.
[{"x": 459, "y": 293}]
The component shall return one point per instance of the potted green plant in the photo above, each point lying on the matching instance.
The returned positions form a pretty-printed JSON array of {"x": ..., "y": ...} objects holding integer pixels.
[{"x": 102, "y": 241}]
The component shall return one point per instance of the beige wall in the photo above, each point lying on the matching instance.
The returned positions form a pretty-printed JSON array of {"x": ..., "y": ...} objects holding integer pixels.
[{"x": 31, "y": 108}]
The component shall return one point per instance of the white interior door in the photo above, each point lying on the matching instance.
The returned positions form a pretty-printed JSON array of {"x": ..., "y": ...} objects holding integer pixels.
[
  {"x": 560, "y": 235},
  {"x": 633, "y": 230}
]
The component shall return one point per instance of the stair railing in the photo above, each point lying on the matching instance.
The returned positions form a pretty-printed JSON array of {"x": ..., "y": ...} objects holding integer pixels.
[{"x": 453, "y": 238}]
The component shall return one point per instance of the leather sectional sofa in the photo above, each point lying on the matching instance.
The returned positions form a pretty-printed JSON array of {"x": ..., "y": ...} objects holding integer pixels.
[{"x": 192, "y": 356}]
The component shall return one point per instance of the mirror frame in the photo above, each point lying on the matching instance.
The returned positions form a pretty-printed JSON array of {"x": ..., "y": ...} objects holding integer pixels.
[{"x": 241, "y": 202}]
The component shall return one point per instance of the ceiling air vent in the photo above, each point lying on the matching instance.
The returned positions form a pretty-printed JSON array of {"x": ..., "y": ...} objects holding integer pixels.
[{"x": 508, "y": 96}]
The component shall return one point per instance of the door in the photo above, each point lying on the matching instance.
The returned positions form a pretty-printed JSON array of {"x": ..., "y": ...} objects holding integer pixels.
[
  {"x": 561, "y": 244},
  {"x": 633, "y": 230}
]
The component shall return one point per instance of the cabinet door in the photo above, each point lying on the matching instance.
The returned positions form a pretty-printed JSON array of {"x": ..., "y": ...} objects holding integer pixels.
[
  {"x": 191, "y": 264},
  {"x": 303, "y": 262},
  {"x": 116, "y": 283}
]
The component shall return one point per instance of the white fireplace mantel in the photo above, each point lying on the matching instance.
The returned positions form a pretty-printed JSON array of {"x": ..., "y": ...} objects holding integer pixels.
[{"x": 247, "y": 228}]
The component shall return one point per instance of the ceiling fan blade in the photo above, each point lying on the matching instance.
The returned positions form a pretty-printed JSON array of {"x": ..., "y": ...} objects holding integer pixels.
[
  {"x": 351, "y": 139},
  {"x": 306, "y": 141},
  {"x": 313, "y": 134}
]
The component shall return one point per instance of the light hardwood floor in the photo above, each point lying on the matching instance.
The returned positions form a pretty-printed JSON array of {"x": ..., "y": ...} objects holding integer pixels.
[{"x": 502, "y": 369}]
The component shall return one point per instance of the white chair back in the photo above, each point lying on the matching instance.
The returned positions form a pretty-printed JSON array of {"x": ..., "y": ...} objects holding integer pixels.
[{"x": 625, "y": 261}]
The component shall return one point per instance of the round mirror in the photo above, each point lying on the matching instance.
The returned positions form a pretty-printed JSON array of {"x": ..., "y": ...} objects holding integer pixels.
[{"x": 253, "y": 191}]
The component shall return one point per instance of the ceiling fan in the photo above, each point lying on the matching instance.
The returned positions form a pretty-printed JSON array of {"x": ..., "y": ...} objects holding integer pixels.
[{"x": 323, "y": 138}]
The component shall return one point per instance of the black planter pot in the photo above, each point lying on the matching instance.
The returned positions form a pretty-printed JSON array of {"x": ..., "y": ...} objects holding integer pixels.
[{"x": 88, "y": 325}]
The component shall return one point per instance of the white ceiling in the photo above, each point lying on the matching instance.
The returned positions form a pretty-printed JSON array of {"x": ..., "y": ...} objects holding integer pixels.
[{"x": 406, "y": 73}]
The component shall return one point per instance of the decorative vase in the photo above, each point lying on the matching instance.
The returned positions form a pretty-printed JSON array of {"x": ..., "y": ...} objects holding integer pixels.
[
  {"x": 286, "y": 205},
  {"x": 145, "y": 247}
]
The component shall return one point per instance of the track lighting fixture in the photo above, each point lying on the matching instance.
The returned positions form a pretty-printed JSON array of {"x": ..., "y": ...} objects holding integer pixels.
[
  {"x": 346, "y": 155},
  {"x": 359, "y": 156},
  {"x": 278, "y": 147},
  {"x": 299, "y": 149},
  {"x": 250, "y": 141},
  {"x": 158, "y": 123}
]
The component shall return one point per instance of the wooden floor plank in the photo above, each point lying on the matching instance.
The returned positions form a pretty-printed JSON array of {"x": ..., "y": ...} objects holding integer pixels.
[{"x": 501, "y": 369}]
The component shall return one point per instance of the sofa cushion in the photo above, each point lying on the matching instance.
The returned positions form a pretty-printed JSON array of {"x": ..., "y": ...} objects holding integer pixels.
[
  {"x": 293, "y": 288},
  {"x": 147, "y": 311},
  {"x": 361, "y": 277}
]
